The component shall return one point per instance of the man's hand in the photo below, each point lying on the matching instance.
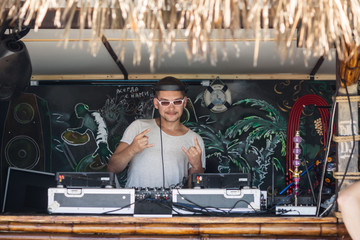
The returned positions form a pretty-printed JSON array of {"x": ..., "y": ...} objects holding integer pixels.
[
  {"x": 194, "y": 155},
  {"x": 140, "y": 142},
  {"x": 125, "y": 152}
]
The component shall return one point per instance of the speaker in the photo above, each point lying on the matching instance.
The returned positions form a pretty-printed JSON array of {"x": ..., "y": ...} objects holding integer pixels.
[
  {"x": 15, "y": 68},
  {"x": 26, "y": 139}
]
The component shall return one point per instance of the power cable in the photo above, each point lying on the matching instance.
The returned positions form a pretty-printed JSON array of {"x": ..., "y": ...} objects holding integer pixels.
[{"x": 162, "y": 156}]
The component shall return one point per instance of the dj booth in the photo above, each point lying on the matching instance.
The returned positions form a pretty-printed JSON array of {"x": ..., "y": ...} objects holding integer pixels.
[
  {"x": 99, "y": 193},
  {"x": 216, "y": 207}
]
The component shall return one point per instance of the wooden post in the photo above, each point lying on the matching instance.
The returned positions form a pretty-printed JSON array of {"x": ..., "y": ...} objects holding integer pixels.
[{"x": 347, "y": 74}]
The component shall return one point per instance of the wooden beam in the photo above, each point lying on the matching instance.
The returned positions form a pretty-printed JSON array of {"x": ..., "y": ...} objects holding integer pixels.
[
  {"x": 169, "y": 228},
  {"x": 155, "y": 39},
  {"x": 69, "y": 77},
  {"x": 285, "y": 76}
]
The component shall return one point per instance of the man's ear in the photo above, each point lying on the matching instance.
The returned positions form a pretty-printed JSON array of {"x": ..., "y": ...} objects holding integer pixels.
[
  {"x": 156, "y": 104},
  {"x": 185, "y": 101}
]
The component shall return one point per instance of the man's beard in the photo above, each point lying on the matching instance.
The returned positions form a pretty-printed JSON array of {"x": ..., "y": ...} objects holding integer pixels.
[{"x": 172, "y": 118}]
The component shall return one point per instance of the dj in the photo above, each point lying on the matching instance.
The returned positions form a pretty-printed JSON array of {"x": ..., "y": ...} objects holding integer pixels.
[{"x": 162, "y": 151}]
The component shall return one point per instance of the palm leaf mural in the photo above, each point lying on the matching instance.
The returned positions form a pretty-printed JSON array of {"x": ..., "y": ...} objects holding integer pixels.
[
  {"x": 224, "y": 149},
  {"x": 227, "y": 147},
  {"x": 271, "y": 128},
  {"x": 274, "y": 125}
]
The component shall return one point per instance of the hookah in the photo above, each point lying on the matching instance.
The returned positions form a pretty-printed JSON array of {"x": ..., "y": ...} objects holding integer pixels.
[
  {"x": 296, "y": 209},
  {"x": 296, "y": 162}
]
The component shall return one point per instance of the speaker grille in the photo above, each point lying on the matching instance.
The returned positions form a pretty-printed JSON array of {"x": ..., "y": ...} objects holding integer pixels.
[
  {"x": 22, "y": 152},
  {"x": 24, "y": 113}
]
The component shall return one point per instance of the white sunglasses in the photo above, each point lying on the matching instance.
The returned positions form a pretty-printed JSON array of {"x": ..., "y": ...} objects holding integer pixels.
[{"x": 166, "y": 103}]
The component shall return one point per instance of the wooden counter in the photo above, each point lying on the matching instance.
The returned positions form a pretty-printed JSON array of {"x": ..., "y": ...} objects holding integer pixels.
[{"x": 190, "y": 227}]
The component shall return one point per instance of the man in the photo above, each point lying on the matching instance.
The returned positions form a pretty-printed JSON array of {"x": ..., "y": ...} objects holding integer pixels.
[{"x": 162, "y": 151}]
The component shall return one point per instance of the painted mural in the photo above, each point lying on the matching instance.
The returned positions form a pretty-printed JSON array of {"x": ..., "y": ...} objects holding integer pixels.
[{"x": 87, "y": 123}]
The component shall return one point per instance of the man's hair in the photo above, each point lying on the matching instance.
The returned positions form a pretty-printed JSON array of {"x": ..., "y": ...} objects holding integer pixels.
[{"x": 169, "y": 84}]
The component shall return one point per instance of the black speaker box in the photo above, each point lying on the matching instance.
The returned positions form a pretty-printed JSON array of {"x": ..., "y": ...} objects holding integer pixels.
[
  {"x": 26, "y": 138},
  {"x": 15, "y": 68}
]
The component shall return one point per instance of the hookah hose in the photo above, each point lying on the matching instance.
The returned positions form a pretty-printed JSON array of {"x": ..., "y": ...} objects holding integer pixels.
[{"x": 293, "y": 125}]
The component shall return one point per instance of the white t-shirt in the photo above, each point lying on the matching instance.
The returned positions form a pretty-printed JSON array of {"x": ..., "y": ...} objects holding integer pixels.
[{"x": 146, "y": 168}]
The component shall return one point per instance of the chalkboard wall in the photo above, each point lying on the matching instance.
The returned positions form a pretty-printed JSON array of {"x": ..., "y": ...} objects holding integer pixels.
[{"x": 76, "y": 127}]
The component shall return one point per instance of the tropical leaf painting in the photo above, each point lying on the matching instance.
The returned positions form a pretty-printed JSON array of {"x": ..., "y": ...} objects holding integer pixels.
[
  {"x": 226, "y": 150},
  {"x": 227, "y": 147},
  {"x": 271, "y": 128}
]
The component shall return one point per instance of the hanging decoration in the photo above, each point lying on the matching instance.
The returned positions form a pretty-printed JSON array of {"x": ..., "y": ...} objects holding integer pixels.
[{"x": 217, "y": 96}]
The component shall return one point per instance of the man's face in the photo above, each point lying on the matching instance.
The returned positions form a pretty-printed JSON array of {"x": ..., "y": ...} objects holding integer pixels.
[{"x": 172, "y": 112}]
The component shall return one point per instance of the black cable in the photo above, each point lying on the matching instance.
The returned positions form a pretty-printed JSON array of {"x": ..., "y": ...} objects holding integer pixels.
[
  {"x": 188, "y": 200},
  {"x": 211, "y": 210},
  {"x": 118, "y": 209},
  {"x": 191, "y": 209},
  {"x": 353, "y": 136},
  {"x": 310, "y": 182},
  {"x": 204, "y": 208},
  {"x": 162, "y": 155},
  {"x": 241, "y": 200},
  {"x": 282, "y": 212}
]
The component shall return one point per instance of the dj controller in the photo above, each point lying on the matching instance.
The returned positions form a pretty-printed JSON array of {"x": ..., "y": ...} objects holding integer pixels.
[{"x": 99, "y": 193}]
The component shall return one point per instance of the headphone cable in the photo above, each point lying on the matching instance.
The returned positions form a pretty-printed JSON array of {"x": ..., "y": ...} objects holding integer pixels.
[{"x": 162, "y": 155}]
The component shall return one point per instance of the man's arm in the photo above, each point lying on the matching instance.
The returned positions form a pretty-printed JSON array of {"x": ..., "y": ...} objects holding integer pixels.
[
  {"x": 125, "y": 152},
  {"x": 121, "y": 157},
  {"x": 196, "y": 170},
  {"x": 349, "y": 205}
]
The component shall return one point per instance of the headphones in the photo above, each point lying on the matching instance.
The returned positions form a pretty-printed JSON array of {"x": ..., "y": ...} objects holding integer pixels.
[
  {"x": 169, "y": 84},
  {"x": 168, "y": 87}
]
